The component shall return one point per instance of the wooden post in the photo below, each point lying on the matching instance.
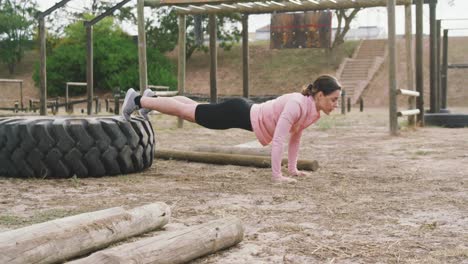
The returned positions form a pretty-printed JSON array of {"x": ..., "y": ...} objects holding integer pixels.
[
  {"x": 245, "y": 55},
  {"x": 438, "y": 52},
  {"x": 343, "y": 102},
  {"x": 116, "y": 104},
  {"x": 89, "y": 67},
  {"x": 96, "y": 105},
  {"x": 213, "y": 60},
  {"x": 409, "y": 61},
  {"x": 66, "y": 96},
  {"x": 143, "y": 68},
  {"x": 43, "y": 65},
  {"x": 433, "y": 50},
  {"x": 392, "y": 68},
  {"x": 179, "y": 246},
  {"x": 419, "y": 61},
  {"x": 21, "y": 95},
  {"x": 58, "y": 240},
  {"x": 444, "y": 74},
  {"x": 182, "y": 59}
]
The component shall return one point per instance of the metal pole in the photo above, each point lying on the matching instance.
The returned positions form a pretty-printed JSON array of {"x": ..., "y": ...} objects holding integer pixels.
[
  {"x": 433, "y": 50},
  {"x": 409, "y": 61},
  {"x": 213, "y": 61},
  {"x": 43, "y": 65},
  {"x": 444, "y": 74},
  {"x": 245, "y": 55},
  {"x": 419, "y": 61},
  {"x": 392, "y": 68},
  {"x": 182, "y": 60},
  {"x": 89, "y": 72},
  {"x": 143, "y": 68}
]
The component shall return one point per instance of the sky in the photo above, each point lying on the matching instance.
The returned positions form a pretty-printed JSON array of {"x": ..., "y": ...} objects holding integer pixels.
[{"x": 366, "y": 17}]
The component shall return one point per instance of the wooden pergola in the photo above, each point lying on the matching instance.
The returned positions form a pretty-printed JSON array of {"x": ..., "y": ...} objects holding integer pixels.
[{"x": 246, "y": 7}]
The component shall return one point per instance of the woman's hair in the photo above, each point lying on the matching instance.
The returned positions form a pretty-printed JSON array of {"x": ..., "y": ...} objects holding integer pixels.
[{"x": 326, "y": 84}]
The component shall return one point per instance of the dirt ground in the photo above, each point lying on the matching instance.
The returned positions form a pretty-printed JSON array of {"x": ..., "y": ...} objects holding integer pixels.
[{"x": 375, "y": 199}]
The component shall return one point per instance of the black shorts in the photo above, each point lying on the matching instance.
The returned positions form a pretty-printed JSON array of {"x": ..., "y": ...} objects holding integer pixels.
[{"x": 232, "y": 113}]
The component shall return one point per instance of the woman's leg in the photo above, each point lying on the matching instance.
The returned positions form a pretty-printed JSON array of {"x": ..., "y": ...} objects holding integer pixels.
[
  {"x": 171, "y": 106},
  {"x": 184, "y": 100},
  {"x": 233, "y": 113}
]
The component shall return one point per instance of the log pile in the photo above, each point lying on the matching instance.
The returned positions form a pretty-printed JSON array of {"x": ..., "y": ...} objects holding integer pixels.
[{"x": 68, "y": 238}]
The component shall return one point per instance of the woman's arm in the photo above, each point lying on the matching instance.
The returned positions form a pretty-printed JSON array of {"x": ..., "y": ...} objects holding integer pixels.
[
  {"x": 293, "y": 152},
  {"x": 288, "y": 117}
]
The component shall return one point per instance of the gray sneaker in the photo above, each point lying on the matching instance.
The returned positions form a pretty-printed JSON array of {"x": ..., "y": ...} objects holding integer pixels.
[
  {"x": 129, "y": 104},
  {"x": 145, "y": 111}
]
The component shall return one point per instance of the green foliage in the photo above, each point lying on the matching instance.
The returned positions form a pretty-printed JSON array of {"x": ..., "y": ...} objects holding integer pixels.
[
  {"x": 162, "y": 33},
  {"x": 115, "y": 61},
  {"x": 16, "y": 28}
]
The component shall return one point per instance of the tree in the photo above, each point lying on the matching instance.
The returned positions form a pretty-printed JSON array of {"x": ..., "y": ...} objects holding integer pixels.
[
  {"x": 115, "y": 60},
  {"x": 163, "y": 32},
  {"x": 344, "y": 16},
  {"x": 16, "y": 29}
]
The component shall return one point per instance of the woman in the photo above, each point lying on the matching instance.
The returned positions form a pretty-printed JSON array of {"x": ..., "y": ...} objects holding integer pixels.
[{"x": 271, "y": 121}]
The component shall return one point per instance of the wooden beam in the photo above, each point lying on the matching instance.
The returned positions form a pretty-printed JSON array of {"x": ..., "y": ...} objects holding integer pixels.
[
  {"x": 407, "y": 92},
  {"x": 42, "y": 66},
  {"x": 58, "y": 240},
  {"x": 432, "y": 58},
  {"x": 419, "y": 61},
  {"x": 142, "y": 62},
  {"x": 58, "y": 5},
  {"x": 458, "y": 66},
  {"x": 392, "y": 81},
  {"x": 234, "y": 150},
  {"x": 89, "y": 67},
  {"x": 408, "y": 112},
  {"x": 213, "y": 60},
  {"x": 444, "y": 70},
  {"x": 157, "y": 3},
  {"x": 289, "y": 7},
  {"x": 106, "y": 13},
  {"x": 229, "y": 159},
  {"x": 181, "y": 69},
  {"x": 179, "y": 246},
  {"x": 245, "y": 55},
  {"x": 409, "y": 61},
  {"x": 10, "y": 81}
]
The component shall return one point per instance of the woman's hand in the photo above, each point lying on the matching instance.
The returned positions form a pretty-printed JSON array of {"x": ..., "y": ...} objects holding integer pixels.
[{"x": 299, "y": 173}]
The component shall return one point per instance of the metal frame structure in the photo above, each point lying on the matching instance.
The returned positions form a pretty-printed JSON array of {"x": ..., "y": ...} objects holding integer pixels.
[
  {"x": 246, "y": 7},
  {"x": 42, "y": 65},
  {"x": 20, "y": 82}
]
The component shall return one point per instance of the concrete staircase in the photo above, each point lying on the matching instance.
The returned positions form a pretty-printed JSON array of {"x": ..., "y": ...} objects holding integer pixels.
[{"x": 355, "y": 73}]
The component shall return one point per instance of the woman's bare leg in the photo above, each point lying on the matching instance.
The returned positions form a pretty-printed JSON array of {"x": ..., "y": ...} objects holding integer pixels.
[
  {"x": 171, "y": 106},
  {"x": 184, "y": 100}
]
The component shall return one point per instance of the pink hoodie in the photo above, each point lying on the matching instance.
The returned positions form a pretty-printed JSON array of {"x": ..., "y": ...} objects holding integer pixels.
[{"x": 274, "y": 119}]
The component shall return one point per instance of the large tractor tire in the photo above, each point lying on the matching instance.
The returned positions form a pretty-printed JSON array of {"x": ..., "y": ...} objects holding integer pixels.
[{"x": 45, "y": 147}]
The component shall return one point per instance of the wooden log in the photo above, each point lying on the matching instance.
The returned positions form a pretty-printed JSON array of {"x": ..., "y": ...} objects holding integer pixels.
[
  {"x": 230, "y": 159},
  {"x": 234, "y": 150},
  {"x": 62, "y": 239},
  {"x": 178, "y": 246}
]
